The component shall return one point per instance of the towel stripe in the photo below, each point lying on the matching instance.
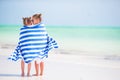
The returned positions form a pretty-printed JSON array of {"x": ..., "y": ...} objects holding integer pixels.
[
  {"x": 29, "y": 31},
  {"x": 28, "y": 40},
  {"x": 34, "y": 42}
]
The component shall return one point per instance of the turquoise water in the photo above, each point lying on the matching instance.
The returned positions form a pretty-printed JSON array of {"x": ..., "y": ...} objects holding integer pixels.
[{"x": 86, "y": 39}]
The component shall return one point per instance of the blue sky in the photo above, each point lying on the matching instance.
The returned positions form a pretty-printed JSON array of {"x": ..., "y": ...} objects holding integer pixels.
[{"x": 63, "y": 12}]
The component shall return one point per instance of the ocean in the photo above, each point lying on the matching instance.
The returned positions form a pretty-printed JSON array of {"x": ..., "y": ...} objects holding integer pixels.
[{"x": 102, "y": 40}]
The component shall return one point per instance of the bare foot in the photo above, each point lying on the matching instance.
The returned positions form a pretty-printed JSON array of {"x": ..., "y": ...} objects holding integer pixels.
[
  {"x": 35, "y": 75},
  {"x": 28, "y": 74},
  {"x": 22, "y": 74},
  {"x": 41, "y": 74}
]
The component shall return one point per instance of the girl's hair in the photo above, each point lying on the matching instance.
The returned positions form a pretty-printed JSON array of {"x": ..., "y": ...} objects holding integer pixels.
[
  {"x": 37, "y": 16},
  {"x": 27, "y": 21}
]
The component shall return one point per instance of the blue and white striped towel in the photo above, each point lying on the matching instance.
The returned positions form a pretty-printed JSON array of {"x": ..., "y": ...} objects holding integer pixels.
[{"x": 34, "y": 42}]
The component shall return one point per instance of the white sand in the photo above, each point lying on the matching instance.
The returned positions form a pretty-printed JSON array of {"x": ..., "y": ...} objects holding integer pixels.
[{"x": 64, "y": 67}]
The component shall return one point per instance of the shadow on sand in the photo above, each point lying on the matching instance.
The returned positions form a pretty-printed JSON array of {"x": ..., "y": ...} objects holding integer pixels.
[{"x": 10, "y": 75}]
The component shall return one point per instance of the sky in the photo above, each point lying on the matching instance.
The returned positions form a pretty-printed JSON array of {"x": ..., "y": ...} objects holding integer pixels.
[{"x": 63, "y": 12}]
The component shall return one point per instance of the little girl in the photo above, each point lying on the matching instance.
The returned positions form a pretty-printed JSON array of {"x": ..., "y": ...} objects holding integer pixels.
[
  {"x": 18, "y": 51},
  {"x": 36, "y": 18},
  {"x": 39, "y": 64},
  {"x": 27, "y": 22}
]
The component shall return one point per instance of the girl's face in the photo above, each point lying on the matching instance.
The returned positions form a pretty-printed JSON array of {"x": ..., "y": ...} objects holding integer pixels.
[{"x": 35, "y": 21}]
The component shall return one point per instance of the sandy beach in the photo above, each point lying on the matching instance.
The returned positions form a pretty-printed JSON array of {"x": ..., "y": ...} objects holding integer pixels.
[
  {"x": 64, "y": 67},
  {"x": 87, "y": 33}
]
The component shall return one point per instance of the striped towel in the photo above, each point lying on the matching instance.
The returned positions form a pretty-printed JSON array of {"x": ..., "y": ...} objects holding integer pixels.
[{"x": 34, "y": 42}]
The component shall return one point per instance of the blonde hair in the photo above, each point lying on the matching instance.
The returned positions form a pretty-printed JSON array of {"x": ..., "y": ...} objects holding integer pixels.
[{"x": 37, "y": 16}]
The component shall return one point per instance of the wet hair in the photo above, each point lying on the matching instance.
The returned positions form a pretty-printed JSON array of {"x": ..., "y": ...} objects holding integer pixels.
[
  {"x": 27, "y": 21},
  {"x": 37, "y": 16}
]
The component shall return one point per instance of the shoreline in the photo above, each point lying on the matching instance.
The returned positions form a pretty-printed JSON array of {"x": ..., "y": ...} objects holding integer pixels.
[{"x": 9, "y": 47}]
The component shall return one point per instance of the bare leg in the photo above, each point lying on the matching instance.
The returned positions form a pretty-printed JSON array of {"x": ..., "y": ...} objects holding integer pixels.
[
  {"x": 22, "y": 68},
  {"x": 29, "y": 68},
  {"x": 36, "y": 69},
  {"x": 41, "y": 68}
]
